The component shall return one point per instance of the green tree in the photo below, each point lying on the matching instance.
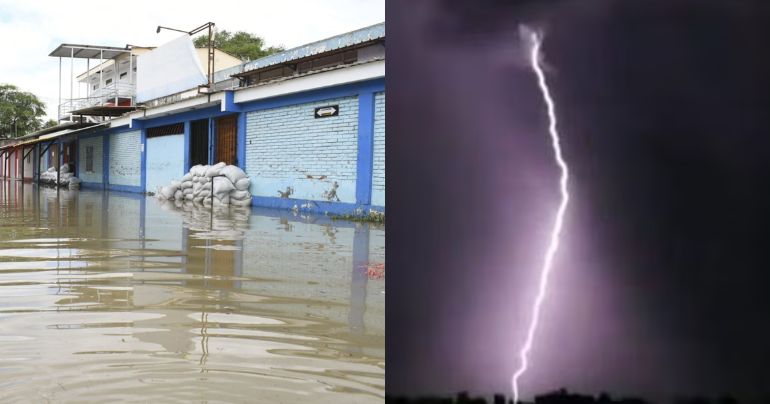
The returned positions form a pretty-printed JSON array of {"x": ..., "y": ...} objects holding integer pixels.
[
  {"x": 49, "y": 124},
  {"x": 240, "y": 44},
  {"x": 20, "y": 112}
]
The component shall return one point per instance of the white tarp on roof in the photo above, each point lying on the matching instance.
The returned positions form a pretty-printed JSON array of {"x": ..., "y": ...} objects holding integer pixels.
[{"x": 170, "y": 68}]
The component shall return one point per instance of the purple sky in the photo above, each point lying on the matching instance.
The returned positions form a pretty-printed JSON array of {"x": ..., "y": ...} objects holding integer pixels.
[{"x": 473, "y": 190}]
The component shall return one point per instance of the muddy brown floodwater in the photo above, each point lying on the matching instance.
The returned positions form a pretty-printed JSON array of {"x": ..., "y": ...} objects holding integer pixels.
[{"x": 108, "y": 296}]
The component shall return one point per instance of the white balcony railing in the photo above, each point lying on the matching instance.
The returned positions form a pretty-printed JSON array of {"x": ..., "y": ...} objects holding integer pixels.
[{"x": 108, "y": 95}]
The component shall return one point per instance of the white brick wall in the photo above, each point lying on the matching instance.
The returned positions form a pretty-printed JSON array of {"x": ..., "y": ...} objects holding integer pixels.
[
  {"x": 125, "y": 158},
  {"x": 378, "y": 171},
  {"x": 288, "y": 147},
  {"x": 95, "y": 175}
]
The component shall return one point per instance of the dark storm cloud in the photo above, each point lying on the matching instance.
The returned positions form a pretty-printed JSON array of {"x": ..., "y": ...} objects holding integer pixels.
[
  {"x": 455, "y": 22},
  {"x": 663, "y": 108}
]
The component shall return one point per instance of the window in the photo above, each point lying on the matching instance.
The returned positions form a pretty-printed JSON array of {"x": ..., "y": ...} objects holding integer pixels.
[
  {"x": 89, "y": 159},
  {"x": 124, "y": 74},
  {"x": 108, "y": 82},
  {"x": 174, "y": 129}
]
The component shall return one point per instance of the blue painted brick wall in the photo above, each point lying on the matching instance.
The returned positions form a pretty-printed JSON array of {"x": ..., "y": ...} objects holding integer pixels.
[{"x": 289, "y": 147}]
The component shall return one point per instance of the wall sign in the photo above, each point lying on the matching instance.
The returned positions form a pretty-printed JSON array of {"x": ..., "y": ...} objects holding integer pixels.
[{"x": 327, "y": 111}]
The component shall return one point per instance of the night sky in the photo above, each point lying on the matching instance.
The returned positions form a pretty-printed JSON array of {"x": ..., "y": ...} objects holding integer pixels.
[{"x": 662, "y": 284}]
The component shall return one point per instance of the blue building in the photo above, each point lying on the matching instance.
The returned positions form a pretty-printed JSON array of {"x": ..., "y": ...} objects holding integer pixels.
[{"x": 307, "y": 125}]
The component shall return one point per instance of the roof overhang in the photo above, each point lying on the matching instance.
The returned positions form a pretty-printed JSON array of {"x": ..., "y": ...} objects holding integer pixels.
[
  {"x": 88, "y": 51},
  {"x": 344, "y": 75},
  {"x": 57, "y": 135},
  {"x": 190, "y": 104},
  {"x": 62, "y": 126},
  {"x": 292, "y": 62},
  {"x": 62, "y": 132},
  {"x": 104, "y": 110}
]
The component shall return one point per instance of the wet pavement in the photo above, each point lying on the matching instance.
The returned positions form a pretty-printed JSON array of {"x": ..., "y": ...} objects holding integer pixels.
[{"x": 117, "y": 296}]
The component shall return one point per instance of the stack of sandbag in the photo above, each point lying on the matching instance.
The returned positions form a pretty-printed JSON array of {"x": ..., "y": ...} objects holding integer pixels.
[
  {"x": 48, "y": 175},
  {"x": 65, "y": 176},
  {"x": 219, "y": 184}
]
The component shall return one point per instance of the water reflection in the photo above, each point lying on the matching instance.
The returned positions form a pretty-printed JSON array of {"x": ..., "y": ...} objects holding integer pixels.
[{"x": 105, "y": 295}]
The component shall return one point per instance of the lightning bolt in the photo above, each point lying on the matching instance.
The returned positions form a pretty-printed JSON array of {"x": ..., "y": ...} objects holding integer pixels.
[{"x": 545, "y": 271}]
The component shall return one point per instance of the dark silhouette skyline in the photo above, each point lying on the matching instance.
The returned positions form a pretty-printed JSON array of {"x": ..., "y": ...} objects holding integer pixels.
[{"x": 561, "y": 396}]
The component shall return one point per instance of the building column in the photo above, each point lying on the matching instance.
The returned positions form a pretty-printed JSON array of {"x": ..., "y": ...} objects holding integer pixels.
[
  {"x": 105, "y": 161},
  {"x": 365, "y": 148},
  {"x": 143, "y": 170},
  {"x": 187, "y": 138},
  {"x": 212, "y": 137},
  {"x": 241, "y": 143}
]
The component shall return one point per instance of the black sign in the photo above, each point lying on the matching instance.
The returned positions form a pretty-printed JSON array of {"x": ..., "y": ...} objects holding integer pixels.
[{"x": 327, "y": 111}]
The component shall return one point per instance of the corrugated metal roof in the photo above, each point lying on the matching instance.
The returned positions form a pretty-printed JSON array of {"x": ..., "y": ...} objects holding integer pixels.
[
  {"x": 88, "y": 51},
  {"x": 362, "y": 35},
  {"x": 54, "y": 135},
  {"x": 322, "y": 70}
]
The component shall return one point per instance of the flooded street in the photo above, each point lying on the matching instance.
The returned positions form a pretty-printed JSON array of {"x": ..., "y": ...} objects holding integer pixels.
[{"x": 112, "y": 296}]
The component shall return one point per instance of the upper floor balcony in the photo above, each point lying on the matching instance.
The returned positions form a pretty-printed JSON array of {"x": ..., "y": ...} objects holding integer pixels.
[
  {"x": 108, "y": 83},
  {"x": 102, "y": 100}
]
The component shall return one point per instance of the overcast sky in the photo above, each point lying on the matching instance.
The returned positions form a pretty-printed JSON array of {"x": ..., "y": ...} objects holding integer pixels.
[{"x": 32, "y": 29}]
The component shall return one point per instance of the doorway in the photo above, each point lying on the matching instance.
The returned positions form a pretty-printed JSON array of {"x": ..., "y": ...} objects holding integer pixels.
[
  {"x": 227, "y": 138},
  {"x": 199, "y": 142}
]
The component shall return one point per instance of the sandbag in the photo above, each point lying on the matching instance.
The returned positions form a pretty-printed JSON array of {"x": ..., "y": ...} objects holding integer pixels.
[
  {"x": 213, "y": 171},
  {"x": 166, "y": 192},
  {"x": 233, "y": 173},
  {"x": 222, "y": 186},
  {"x": 219, "y": 184},
  {"x": 243, "y": 202},
  {"x": 197, "y": 170},
  {"x": 239, "y": 195},
  {"x": 243, "y": 184}
]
